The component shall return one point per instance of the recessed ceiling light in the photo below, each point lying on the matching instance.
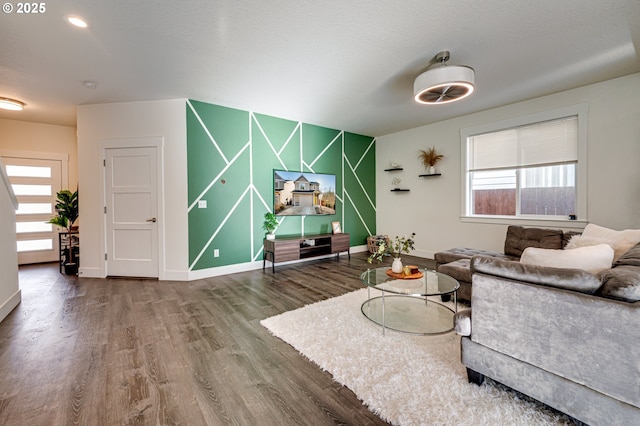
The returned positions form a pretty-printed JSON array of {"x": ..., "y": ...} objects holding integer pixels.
[
  {"x": 11, "y": 104},
  {"x": 76, "y": 21}
]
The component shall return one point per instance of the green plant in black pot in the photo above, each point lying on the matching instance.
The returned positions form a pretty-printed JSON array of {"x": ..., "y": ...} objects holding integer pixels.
[{"x": 67, "y": 214}]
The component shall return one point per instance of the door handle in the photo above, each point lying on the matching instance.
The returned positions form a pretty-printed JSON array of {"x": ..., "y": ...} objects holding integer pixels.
[{"x": 153, "y": 219}]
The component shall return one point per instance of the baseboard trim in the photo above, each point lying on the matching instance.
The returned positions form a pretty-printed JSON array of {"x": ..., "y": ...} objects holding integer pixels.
[
  {"x": 11, "y": 303},
  {"x": 90, "y": 273},
  {"x": 250, "y": 266}
]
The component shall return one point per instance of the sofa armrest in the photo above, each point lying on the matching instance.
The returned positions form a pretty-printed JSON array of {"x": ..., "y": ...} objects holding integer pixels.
[{"x": 584, "y": 338}]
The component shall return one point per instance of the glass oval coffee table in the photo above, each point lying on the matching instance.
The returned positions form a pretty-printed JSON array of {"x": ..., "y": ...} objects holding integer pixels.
[{"x": 404, "y": 304}]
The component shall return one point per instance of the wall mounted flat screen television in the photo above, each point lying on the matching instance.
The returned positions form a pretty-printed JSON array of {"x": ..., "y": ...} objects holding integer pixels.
[{"x": 303, "y": 193}]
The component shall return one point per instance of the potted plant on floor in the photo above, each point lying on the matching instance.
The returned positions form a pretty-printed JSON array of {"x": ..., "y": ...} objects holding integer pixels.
[
  {"x": 67, "y": 213},
  {"x": 270, "y": 224}
]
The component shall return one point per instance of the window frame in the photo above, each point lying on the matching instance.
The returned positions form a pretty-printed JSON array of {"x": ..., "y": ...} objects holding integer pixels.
[{"x": 581, "y": 111}]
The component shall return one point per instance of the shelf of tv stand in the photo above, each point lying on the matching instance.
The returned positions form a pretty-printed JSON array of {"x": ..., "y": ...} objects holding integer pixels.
[{"x": 288, "y": 248}]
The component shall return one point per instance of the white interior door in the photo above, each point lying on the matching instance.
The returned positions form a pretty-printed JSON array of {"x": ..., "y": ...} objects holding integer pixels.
[{"x": 131, "y": 211}]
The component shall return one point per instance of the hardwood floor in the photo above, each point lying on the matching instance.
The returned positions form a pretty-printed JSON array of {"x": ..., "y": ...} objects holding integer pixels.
[{"x": 145, "y": 352}]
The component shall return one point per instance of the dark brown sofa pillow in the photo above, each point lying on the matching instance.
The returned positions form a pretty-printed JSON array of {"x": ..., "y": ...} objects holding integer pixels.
[
  {"x": 631, "y": 257},
  {"x": 621, "y": 282},
  {"x": 519, "y": 238}
]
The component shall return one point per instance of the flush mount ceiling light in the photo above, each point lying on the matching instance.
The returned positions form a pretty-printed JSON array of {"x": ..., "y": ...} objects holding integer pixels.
[
  {"x": 11, "y": 104},
  {"x": 443, "y": 83},
  {"x": 76, "y": 21}
]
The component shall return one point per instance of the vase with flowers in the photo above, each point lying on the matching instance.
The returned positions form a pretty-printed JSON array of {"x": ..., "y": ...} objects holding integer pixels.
[
  {"x": 430, "y": 158},
  {"x": 395, "y": 248}
]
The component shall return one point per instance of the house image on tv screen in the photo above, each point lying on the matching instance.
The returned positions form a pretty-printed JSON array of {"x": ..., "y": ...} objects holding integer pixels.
[{"x": 297, "y": 193}]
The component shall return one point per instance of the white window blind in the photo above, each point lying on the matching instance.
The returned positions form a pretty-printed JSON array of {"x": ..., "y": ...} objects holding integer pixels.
[{"x": 545, "y": 143}]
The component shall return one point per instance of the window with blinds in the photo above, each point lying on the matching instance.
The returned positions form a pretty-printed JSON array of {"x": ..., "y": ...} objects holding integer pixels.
[{"x": 528, "y": 170}]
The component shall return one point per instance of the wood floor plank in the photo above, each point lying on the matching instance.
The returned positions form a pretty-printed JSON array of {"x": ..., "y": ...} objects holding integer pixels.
[{"x": 146, "y": 352}]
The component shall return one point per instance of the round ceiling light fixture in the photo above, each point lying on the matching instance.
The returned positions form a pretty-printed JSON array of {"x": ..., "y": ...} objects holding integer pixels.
[
  {"x": 11, "y": 104},
  {"x": 444, "y": 83},
  {"x": 76, "y": 21}
]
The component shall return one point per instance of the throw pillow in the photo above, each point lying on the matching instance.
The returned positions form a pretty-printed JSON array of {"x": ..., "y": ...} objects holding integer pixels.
[
  {"x": 631, "y": 257},
  {"x": 622, "y": 283},
  {"x": 620, "y": 241},
  {"x": 519, "y": 238},
  {"x": 592, "y": 259}
]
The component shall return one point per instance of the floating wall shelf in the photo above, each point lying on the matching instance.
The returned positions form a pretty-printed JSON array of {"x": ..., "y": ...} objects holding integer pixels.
[
  {"x": 399, "y": 190},
  {"x": 393, "y": 169},
  {"x": 430, "y": 174}
]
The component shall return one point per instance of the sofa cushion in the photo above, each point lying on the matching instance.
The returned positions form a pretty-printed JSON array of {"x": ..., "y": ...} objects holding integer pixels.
[
  {"x": 622, "y": 283},
  {"x": 569, "y": 279},
  {"x": 631, "y": 257},
  {"x": 620, "y": 241},
  {"x": 592, "y": 258},
  {"x": 460, "y": 269},
  {"x": 458, "y": 253},
  {"x": 519, "y": 238}
]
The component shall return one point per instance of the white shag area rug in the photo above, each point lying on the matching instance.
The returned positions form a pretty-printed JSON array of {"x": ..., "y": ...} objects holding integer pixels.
[{"x": 405, "y": 379}]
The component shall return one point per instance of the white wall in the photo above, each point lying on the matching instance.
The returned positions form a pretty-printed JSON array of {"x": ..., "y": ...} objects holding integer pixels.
[
  {"x": 166, "y": 119},
  {"x": 432, "y": 208},
  {"x": 9, "y": 288},
  {"x": 38, "y": 138}
]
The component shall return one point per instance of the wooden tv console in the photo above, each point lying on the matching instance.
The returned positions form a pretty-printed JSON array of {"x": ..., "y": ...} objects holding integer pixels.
[{"x": 284, "y": 249}]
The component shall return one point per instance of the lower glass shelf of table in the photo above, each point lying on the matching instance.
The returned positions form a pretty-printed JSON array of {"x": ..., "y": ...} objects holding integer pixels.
[{"x": 410, "y": 305}]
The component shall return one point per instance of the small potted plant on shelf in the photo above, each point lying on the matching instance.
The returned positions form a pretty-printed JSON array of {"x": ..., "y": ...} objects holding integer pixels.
[
  {"x": 67, "y": 213},
  {"x": 270, "y": 224},
  {"x": 395, "y": 248},
  {"x": 430, "y": 158},
  {"x": 396, "y": 183}
]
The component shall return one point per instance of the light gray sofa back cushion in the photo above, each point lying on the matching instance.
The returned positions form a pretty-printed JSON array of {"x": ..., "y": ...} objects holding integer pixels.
[{"x": 570, "y": 279}]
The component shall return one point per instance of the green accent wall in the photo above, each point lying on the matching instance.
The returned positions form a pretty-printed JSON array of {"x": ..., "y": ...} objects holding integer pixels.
[{"x": 231, "y": 155}]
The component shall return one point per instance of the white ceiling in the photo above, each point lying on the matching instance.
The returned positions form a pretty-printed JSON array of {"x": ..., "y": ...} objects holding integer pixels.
[{"x": 341, "y": 64}]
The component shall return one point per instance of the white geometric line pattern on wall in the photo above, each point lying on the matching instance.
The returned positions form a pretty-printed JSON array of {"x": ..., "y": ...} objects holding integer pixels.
[
  {"x": 218, "y": 176},
  {"x": 277, "y": 153},
  {"x": 355, "y": 208},
  {"x": 213, "y": 236},
  {"x": 273, "y": 143},
  {"x": 362, "y": 157},
  {"x": 213, "y": 141},
  {"x": 251, "y": 205},
  {"x": 339, "y": 135},
  {"x": 364, "y": 191}
]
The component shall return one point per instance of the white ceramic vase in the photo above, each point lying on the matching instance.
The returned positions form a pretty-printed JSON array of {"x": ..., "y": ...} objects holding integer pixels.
[{"x": 396, "y": 266}]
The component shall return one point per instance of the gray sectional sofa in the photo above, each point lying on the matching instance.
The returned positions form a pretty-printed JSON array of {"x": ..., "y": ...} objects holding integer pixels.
[
  {"x": 566, "y": 337},
  {"x": 456, "y": 262}
]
